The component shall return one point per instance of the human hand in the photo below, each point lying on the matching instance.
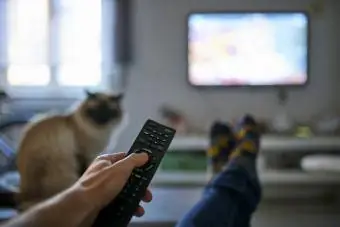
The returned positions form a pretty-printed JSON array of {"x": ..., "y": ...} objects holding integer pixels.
[{"x": 106, "y": 177}]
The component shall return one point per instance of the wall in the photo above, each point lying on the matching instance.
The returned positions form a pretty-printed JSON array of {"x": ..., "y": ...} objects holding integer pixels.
[{"x": 159, "y": 73}]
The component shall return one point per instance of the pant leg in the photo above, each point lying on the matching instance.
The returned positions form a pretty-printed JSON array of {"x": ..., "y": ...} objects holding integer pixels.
[{"x": 229, "y": 200}]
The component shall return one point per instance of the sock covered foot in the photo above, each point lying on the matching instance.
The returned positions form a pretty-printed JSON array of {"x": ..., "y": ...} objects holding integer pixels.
[
  {"x": 248, "y": 138},
  {"x": 222, "y": 142}
]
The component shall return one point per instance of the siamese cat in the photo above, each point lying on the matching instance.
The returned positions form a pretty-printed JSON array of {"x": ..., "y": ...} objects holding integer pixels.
[{"x": 55, "y": 150}]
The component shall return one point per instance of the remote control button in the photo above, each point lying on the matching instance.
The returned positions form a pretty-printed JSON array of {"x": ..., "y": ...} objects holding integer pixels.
[
  {"x": 167, "y": 130},
  {"x": 150, "y": 140},
  {"x": 144, "y": 179},
  {"x": 142, "y": 140},
  {"x": 143, "y": 150},
  {"x": 136, "y": 175},
  {"x": 157, "y": 147},
  {"x": 152, "y": 123},
  {"x": 149, "y": 153},
  {"x": 137, "y": 171},
  {"x": 160, "y": 148},
  {"x": 150, "y": 167}
]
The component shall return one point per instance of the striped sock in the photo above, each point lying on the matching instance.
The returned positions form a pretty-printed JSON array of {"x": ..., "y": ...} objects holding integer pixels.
[
  {"x": 248, "y": 138},
  {"x": 222, "y": 142}
]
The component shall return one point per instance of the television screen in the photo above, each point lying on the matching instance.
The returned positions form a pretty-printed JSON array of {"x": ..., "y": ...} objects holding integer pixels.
[{"x": 248, "y": 49}]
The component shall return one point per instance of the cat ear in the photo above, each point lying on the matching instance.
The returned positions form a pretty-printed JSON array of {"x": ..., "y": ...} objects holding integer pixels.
[
  {"x": 89, "y": 94},
  {"x": 116, "y": 98}
]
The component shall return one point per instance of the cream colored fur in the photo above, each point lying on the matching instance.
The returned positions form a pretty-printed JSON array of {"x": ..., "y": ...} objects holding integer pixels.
[{"x": 47, "y": 154}]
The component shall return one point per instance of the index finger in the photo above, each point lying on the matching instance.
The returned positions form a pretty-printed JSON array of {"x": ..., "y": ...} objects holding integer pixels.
[
  {"x": 114, "y": 157},
  {"x": 105, "y": 160}
]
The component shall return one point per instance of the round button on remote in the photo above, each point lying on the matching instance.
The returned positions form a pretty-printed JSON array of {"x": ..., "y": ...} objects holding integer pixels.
[{"x": 149, "y": 153}]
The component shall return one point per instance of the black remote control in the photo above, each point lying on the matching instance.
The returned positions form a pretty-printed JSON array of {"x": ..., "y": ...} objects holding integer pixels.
[{"x": 154, "y": 139}]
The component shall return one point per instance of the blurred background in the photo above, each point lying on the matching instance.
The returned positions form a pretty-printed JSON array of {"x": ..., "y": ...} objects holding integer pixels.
[{"x": 51, "y": 50}]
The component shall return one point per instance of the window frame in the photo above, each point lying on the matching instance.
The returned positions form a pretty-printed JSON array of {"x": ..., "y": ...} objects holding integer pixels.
[{"x": 53, "y": 89}]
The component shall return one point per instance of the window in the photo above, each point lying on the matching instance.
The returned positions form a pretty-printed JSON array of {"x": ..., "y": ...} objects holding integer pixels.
[
  {"x": 55, "y": 47},
  {"x": 80, "y": 42},
  {"x": 27, "y": 51}
]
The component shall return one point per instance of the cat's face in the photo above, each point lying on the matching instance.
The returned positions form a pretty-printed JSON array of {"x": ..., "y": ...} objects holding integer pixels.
[{"x": 102, "y": 108}]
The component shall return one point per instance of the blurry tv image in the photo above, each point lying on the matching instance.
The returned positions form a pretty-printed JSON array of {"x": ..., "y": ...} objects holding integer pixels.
[{"x": 248, "y": 49}]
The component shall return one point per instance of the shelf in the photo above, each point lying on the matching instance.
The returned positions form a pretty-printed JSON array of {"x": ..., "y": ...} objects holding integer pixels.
[
  {"x": 268, "y": 143},
  {"x": 266, "y": 177}
]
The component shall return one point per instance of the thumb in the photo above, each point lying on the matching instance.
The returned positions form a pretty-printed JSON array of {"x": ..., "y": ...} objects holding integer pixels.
[{"x": 131, "y": 161}]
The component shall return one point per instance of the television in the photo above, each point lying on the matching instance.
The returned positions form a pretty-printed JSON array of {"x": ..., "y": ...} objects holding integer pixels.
[{"x": 231, "y": 49}]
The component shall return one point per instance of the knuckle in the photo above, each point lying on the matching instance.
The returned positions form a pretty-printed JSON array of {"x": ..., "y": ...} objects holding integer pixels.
[{"x": 104, "y": 157}]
